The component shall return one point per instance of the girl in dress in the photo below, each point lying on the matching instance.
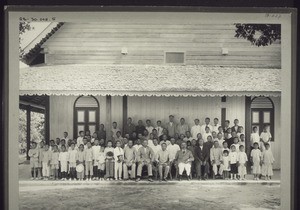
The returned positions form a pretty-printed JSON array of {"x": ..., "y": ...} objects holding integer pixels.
[{"x": 267, "y": 162}]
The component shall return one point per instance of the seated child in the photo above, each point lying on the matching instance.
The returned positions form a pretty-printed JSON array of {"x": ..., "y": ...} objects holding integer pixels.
[
  {"x": 80, "y": 160},
  {"x": 109, "y": 160},
  {"x": 33, "y": 153},
  {"x": 46, "y": 157},
  {"x": 101, "y": 164},
  {"x": 256, "y": 161},
  {"x": 88, "y": 158},
  {"x": 54, "y": 162},
  {"x": 225, "y": 168},
  {"x": 242, "y": 159},
  {"x": 63, "y": 161},
  {"x": 232, "y": 161},
  {"x": 72, "y": 161},
  {"x": 267, "y": 162}
]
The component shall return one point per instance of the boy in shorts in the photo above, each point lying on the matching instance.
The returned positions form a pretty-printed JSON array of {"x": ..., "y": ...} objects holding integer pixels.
[{"x": 33, "y": 153}]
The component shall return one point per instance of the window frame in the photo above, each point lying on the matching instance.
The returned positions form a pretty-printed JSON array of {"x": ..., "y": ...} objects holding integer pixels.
[
  {"x": 86, "y": 117},
  {"x": 169, "y": 51}
]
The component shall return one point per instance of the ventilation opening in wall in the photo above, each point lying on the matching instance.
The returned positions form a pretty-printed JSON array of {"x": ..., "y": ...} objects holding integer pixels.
[{"x": 175, "y": 57}]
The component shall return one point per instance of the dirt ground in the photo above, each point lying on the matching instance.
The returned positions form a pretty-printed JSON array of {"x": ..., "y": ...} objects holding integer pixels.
[{"x": 173, "y": 195}]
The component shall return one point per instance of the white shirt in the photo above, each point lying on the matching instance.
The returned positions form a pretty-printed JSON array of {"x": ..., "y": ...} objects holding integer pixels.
[
  {"x": 215, "y": 128},
  {"x": 149, "y": 129},
  {"x": 117, "y": 152},
  {"x": 265, "y": 136},
  {"x": 137, "y": 147},
  {"x": 221, "y": 142},
  {"x": 205, "y": 135},
  {"x": 203, "y": 128},
  {"x": 72, "y": 156},
  {"x": 63, "y": 156},
  {"x": 167, "y": 142},
  {"x": 173, "y": 149},
  {"x": 150, "y": 142},
  {"x": 256, "y": 155},
  {"x": 242, "y": 157},
  {"x": 195, "y": 130},
  {"x": 232, "y": 157},
  {"x": 155, "y": 149},
  {"x": 96, "y": 151},
  {"x": 159, "y": 131},
  {"x": 79, "y": 141},
  {"x": 254, "y": 138}
]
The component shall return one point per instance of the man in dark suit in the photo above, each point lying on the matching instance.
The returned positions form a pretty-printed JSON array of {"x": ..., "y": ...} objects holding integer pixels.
[
  {"x": 140, "y": 128},
  {"x": 129, "y": 128},
  {"x": 201, "y": 160},
  {"x": 236, "y": 126},
  {"x": 171, "y": 126}
]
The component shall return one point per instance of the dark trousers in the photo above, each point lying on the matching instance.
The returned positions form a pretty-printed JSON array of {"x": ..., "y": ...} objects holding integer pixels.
[{"x": 202, "y": 169}]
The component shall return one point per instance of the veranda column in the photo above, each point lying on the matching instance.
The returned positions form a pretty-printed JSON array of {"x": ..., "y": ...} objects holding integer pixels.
[
  {"x": 108, "y": 117},
  {"x": 28, "y": 122},
  {"x": 125, "y": 113}
]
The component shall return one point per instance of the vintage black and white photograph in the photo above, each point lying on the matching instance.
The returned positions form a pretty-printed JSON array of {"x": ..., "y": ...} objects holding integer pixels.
[{"x": 155, "y": 110}]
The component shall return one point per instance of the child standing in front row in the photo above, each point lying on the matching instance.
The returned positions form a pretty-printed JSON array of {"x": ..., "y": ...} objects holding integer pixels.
[
  {"x": 72, "y": 161},
  {"x": 242, "y": 159},
  {"x": 46, "y": 157},
  {"x": 54, "y": 162},
  {"x": 33, "y": 153},
  {"x": 63, "y": 160},
  {"x": 256, "y": 161},
  {"x": 101, "y": 164},
  {"x": 225, "y": 164},
  {"x": 233, "y": 162},
  {"x": 267, "y": 162},
  {"x": 109, "y": 160},
  {"x": 89, "y": 161},
  {"x": 80, "y": 160}
]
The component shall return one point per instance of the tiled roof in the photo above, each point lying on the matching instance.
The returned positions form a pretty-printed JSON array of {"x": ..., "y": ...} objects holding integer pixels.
[{"x": 149, "y": 80}]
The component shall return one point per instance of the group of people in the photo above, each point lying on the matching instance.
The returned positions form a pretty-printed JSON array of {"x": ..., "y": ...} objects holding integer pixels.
[{"x": 174, "y": 150}]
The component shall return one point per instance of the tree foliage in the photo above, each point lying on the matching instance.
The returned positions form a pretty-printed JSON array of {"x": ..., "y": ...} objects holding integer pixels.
[
  {"x": 259, "y": 34},
  {"x": 23, "y": 27},
  {"x": 37, "y": 126}
]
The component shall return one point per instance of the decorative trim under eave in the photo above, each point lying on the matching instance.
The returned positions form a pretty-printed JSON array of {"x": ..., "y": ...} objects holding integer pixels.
[{"x": 144, "y": 93}]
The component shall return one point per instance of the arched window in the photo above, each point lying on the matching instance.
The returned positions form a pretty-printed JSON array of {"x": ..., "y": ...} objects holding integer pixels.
[
  {"x": 86, "y": 114},
  {"x": 262, "y": 113}
]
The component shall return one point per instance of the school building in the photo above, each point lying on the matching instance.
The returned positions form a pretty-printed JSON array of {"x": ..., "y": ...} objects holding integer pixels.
[{"x": 86, "y": 73}]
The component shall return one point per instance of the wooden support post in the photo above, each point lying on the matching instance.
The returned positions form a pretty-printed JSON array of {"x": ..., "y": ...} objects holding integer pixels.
[
  {"x": 247, "y": 123},
  {"x": 28, "y": 123},
  {"x": 125, "y": 112},
  {"x": 223, "y": 117},
  {"x": 248, "y": 127},
  {"x": 108, "y": 118},
  {"x": 47, "y": 119}
]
